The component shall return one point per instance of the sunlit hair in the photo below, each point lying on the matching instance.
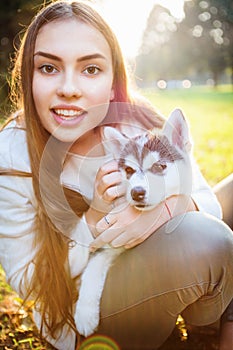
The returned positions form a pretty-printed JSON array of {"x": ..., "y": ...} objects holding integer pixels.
[{"x": 51, "y": 282}]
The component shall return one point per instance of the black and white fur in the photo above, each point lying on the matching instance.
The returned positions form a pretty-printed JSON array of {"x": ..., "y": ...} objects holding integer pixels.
[{"x": 154, "y": 167}]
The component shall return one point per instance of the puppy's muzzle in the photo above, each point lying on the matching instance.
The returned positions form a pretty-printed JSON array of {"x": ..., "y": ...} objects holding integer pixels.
[{"x": 138, "y": 194}]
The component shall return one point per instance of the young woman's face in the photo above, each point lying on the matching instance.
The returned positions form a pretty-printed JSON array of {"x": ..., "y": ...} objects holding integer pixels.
[{"x": 72, "y": 80}]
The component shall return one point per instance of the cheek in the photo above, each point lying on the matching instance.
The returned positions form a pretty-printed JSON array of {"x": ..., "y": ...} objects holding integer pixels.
[
  {"x": 100, "y": 91},
  {"x": 97, "y": 112},
  {"x": 42, "y": 86},
  {"x": 99, "y": 97},
  {"x": 39, "y": 92}
]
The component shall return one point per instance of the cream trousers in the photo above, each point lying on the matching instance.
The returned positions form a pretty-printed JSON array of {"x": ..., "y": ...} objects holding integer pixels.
[{"x": 188, "y": 271}]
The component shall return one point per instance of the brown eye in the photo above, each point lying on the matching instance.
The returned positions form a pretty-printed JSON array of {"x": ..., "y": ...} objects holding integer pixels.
[
  {"x": 48, "y": 69},
  {"x": 158, "y": 168},
  {"x": 92, "y": 70},
  {"x": 163, "y": 166},
  {"x": 129, "y": 171}
]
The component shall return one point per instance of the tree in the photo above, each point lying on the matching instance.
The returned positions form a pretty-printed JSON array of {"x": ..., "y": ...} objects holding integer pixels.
[
  {"x": 14, "y": 17},
  {"x": 226, "y": 17},
  {"x": 208, "y": 28},
  {"x": 201, "y": 44},
  {"x": 153, "y": 62}
]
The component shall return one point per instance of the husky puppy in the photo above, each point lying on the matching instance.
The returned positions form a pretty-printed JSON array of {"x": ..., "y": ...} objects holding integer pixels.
[{"x": 155, "y": 166}]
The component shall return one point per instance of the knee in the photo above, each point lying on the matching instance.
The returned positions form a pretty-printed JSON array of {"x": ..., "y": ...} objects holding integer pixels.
[
  {"x": 199, "y": 226},
  {"x": 202, "y": 236}
]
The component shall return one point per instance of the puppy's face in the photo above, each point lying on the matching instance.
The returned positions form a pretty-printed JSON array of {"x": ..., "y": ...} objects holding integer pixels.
[
  {"x": 151, "y": 169},
  {"x": 154, "y": 167}
]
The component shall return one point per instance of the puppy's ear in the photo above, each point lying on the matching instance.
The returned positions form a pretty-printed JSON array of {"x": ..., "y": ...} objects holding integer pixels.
[
  {"x": 114, "y": 141},
  {"x": 177, "y": 131}
]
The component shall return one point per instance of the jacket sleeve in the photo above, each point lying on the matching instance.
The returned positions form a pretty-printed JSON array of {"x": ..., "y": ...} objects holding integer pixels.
[
  {"x": 203, "y": 195},
  {"x": 17, "y": 220},
  {"x": 17, "y": 233}
]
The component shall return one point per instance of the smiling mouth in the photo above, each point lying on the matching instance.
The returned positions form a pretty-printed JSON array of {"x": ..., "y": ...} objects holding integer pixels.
[{"x": 68, "y": 114}]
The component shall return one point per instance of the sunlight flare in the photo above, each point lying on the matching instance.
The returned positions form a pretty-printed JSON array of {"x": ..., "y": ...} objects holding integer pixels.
[{"x": 128, "y": 19}]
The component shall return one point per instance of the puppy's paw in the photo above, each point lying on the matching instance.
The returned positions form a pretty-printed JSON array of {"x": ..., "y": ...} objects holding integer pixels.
[{"x": 86, "y": 318}]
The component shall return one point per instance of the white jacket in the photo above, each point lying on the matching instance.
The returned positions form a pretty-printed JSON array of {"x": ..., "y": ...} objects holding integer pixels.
[{"x": 18, "y": 208}]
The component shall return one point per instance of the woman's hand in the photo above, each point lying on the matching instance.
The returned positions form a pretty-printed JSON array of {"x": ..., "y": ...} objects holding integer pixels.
[
  {"x": 127, "y": 226},
  {"x": 108, "y": 188}
]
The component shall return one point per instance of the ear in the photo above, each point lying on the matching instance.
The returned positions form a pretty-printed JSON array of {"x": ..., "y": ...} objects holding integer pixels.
[
  {"x": 114, "y": 141},
  {"x": 177, "y": 131}
]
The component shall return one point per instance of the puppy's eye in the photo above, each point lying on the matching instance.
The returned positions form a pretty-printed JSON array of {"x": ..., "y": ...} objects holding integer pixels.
[
  {"x": 129, "y": 171},
  {"x": 158, "y": 167}
]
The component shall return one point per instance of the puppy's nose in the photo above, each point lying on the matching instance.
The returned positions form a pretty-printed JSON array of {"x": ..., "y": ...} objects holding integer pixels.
[{"x": 138, "y": 193}]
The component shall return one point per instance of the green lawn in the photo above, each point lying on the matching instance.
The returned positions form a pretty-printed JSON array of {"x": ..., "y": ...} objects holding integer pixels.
[{"x": 209, "y": 112}]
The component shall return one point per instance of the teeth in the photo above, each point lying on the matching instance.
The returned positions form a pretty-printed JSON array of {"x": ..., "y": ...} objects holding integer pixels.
[{"x": 68, "y": 113}]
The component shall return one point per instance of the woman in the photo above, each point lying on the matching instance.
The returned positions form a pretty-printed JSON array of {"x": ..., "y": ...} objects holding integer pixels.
[{"x": 71, "y": 80}]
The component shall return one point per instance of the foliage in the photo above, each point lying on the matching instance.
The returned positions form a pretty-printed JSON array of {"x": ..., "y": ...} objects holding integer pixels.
[
  {"x": 156, "y": 53},
  {"x": 208, "y": 28},
  {"x": 14, "y": 17},
  {"x": 201, "y": 43},
  {"x": 17, "y": 331}
]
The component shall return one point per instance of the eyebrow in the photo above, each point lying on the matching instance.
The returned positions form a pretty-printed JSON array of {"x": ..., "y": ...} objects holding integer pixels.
[{"x": 81, "y": 59}]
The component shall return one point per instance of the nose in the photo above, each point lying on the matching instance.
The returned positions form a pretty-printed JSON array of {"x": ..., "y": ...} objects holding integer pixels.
[
  {"x": 138, "y": 193},
  {"x": 69, "y": 86}
]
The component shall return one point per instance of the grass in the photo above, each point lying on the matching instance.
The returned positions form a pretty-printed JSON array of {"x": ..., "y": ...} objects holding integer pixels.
[{"x": 210, "y": 115}]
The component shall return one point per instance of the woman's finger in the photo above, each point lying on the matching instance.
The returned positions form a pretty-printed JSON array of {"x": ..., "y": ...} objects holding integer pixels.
[
  {"x": 134, "y": 242},
  {"x": 124, "y": 239},
  {"x": 104, "y": 238},
  {"x": 107, "y": 168},
  {"x": 105, "y": 223},
  {"x": 114, "y": 192}
]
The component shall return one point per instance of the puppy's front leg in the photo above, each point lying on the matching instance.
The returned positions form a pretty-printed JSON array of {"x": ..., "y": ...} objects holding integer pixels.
[{"x": 92, "y": 284}]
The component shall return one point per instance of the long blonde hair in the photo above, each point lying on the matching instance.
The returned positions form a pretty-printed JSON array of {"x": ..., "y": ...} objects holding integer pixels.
[{"x": 51, "y": 282}]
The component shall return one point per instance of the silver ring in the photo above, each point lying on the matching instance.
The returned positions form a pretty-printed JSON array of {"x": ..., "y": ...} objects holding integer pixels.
[{"x": 106, "y": 220}]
